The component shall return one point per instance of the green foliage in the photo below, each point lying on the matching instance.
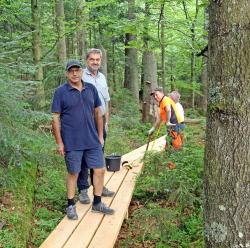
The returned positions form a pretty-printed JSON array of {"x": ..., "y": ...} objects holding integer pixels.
[
  {"x": 171, "y": 215},
  {"x": 126, "y": 131}
]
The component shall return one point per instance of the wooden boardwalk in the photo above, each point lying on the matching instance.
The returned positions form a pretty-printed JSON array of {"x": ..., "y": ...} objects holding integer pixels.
[{"x": 96, "y": 230}]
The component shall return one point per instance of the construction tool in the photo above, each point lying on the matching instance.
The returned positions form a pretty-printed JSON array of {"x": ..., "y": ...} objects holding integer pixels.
[
  {"x": 127, "y": 165},
  {"x": 150, "y": 138}
]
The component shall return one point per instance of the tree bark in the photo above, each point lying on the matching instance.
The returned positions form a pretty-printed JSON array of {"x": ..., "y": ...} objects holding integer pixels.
[
  {"x": 161, "y": 28},
  {"x": 227, "y": 156},
  {"x": 61, "y": 43},
  {"x": 131, "y": 58},
  {"x": 149, "y": 75},
  {"x": 192, "y": 24},
  {"x": 82, "y": 32},
  {"x": 172, "y": 87},
  {"x": 36, "y": 39}
]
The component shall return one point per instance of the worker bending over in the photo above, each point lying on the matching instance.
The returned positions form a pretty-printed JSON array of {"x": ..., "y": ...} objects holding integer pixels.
[{"x": 171, "y": 114}]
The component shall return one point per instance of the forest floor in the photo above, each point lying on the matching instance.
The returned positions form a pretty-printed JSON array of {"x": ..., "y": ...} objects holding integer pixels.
[{"x": 166, "y": 209}]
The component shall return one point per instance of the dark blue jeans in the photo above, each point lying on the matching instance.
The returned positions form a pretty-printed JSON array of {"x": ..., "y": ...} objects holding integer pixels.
[{"x": 82, "y": 180}]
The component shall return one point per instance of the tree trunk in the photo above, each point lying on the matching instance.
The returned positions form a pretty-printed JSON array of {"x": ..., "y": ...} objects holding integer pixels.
[
  {"x": 227, "y": 160},
  {"x": 131, "y": 58},
  {"x": 113, "y": 65},
  {"x": 61, "y": 43},
  {"x": 163, "y": 48},
  {"x": 172, "y": 87},
  {"x": 36, "y": 39},
  {"x": 192, "y": 24},
  {"x": 82, "y": 32},
  {"x": 149, "y": 75},
  {"x": 39, "y": 95},
  {"x": 193, "y": 65},
  {"x": 126, "y": 69}
]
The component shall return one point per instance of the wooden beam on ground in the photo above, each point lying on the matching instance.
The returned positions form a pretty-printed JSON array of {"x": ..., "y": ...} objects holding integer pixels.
[
  {"x": 66, "y": 227},
  {"x": 90, "y": 226},
  {"x": 108, "y": 231},
  {"x": 86, "y": 229}
]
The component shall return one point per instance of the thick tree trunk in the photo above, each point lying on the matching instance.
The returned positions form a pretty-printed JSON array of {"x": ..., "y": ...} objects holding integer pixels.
[
  {"x": 131, "y": 58},
  {"x": 39, "y": 95},
  {"x": 36, "y": 39},
  {"x": 227, "y": 157},
  {"x": 61, "y": 43},
  {"x": 82, "y": 31},
  {"x": 149, "y": 75}
]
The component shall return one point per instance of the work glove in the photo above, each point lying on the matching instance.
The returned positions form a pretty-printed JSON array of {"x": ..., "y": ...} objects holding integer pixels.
[
  {"x": 151, "y": 131},
  {"x": 169, "y": 124}
]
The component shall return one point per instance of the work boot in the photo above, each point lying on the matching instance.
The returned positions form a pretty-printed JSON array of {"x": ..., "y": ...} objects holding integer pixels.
[
  {"x": 106, "y": 192},
  {"x": 102, "y": 208},
  {"x": 71, "y": 212},
  {"x": 83, "y": 196}
]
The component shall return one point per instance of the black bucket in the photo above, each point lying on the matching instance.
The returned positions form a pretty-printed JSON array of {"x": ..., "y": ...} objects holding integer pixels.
[{"x": 113, "y": 162}]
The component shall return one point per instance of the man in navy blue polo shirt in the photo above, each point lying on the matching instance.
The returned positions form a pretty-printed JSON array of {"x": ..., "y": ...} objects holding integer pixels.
[{"x": 76, "y": 113}]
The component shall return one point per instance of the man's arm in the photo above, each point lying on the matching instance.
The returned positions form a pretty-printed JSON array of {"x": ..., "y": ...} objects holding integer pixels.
[
  {"x": 56, "y": 127},
  {"x": 168, "y": 113},
  {"x": 106, "y": 116},
  {"x": 99, "y": 124}
]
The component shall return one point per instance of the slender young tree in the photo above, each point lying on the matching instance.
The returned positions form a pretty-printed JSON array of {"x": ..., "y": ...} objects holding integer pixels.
[
  {"x": 192, "y": 27},
  {"x": 227, "y": 157},
  {"x": 161, "y": 38}
]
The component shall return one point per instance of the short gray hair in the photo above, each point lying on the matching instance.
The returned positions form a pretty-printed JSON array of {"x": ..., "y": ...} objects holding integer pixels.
[
  {"x": 93, "y": 50},
  {"x": 175, "y": 95}
]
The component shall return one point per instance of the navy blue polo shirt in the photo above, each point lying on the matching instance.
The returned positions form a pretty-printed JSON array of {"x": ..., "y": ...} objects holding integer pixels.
[{"x": 77, "y": 109}]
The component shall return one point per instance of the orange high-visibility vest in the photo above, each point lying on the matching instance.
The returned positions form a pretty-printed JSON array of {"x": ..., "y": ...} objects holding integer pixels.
[{"x": 167, "y": 101}]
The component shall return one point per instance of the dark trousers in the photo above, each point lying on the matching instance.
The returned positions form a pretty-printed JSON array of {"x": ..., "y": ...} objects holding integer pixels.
[{"x": 82, "y": 181}]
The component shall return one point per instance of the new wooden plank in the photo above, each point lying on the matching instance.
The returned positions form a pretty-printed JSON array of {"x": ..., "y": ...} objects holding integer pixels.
[
  {"x": 91, "y": 221},
  {"x": 66, "y": 227},
  {"x": 108, "y": 231}
]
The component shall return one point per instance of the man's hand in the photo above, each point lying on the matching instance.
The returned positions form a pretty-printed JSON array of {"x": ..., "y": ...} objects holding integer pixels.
[
  {"x": 106, "y": 127},
  {"x": 151, "y": 131},
  {"x": 60, "y": 149},
  {"x": 101, "y": 141}
]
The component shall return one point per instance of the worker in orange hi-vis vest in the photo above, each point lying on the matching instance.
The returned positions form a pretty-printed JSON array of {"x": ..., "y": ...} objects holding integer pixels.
[{"x": 171, "y": 114}]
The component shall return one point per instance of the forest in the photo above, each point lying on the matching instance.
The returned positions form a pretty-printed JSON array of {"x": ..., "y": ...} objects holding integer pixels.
[{"x": 198, "y": 47}]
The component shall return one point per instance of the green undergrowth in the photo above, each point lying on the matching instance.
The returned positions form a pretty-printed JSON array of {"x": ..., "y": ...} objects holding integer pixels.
[
  {"x": 168, "y": 211},
  {"x": 126, "y": 131}
]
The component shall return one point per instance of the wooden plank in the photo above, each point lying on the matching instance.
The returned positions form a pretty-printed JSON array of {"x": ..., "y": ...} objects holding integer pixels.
[
  {"x": 91, "y": 221},
  {"x": 66, "y": 227},
  {"x": 109, "y": 229},
  {"x": 62, "y": 233}
]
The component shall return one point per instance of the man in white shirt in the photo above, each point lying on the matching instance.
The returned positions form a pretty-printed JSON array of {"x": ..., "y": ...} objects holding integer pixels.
[{"x": 95, "y": 77}]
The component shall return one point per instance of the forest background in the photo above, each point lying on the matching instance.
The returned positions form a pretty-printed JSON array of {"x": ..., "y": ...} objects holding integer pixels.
[{"x": 161, "y": 42}]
